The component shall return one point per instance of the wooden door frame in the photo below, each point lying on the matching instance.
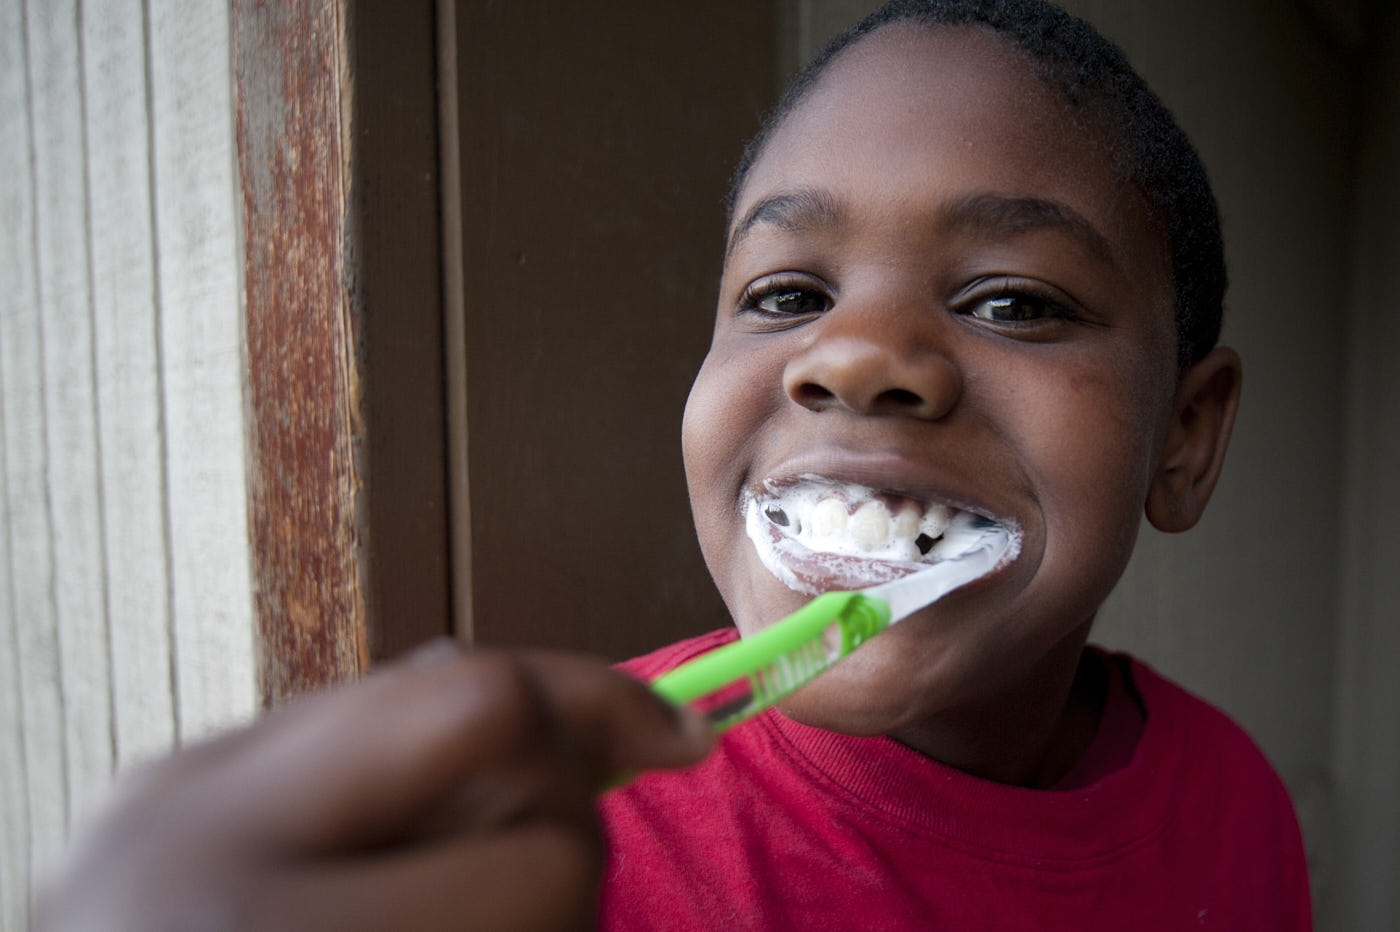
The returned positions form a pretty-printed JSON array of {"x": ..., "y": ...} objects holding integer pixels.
[
  {"x": 351, "y": 160},
  {"x": 336, "y": 118}
]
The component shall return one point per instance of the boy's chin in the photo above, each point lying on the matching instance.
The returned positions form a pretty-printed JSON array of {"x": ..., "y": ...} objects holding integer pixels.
[
  {"x": 873, "y": 692},
  {"x": 901, "y": 676}
]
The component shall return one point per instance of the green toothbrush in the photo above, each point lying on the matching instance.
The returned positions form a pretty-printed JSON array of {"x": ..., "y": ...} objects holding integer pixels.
[{"x": 737, "y": 681}]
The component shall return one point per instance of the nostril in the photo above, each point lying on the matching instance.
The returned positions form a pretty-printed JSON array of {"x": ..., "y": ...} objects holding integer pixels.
[
  {"x": 810, "y": 393},
  {"x": 868, "y": 374},
  {"x": 898, "y": 398}
]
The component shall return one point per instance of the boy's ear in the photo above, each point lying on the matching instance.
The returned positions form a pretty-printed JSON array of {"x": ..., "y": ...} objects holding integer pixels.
[{"x": 1207, "y": 397}]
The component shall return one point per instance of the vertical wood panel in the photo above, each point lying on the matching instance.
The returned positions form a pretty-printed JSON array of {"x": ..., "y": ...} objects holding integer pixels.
[
  {"x": 69, "y": 401},
  {"x": 91, "y": 374},
  {"x": 201, "y": 351},
  {"x": 304, "y": 388},
  {"x": 25, "y": 465},
  {"x": 31, "y": 595},
  {"x": 16, "y": 274},
  {"x": 128, "y": 375},
  {"x": 14, "y": 820}
]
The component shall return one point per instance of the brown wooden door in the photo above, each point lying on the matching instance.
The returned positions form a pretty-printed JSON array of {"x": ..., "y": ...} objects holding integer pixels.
[{"x": 594, "y": 143}]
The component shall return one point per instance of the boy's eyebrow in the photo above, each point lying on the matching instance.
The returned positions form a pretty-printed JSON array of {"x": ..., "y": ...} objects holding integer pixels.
[
  {"x": 1000, "y": 215},
  {"x": 790, "y": 211},
  {"x": 987, "y": 213}
]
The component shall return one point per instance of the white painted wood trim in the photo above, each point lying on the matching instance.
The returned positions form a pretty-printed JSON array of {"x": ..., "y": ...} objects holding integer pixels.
[
  {"x": 122, "y": 424},
  {"x": 16, "y": 289},
  {"x": 70, "y": 406},
  {"x": 31, "y": 598},
  {"x": 201, "y": 346},
  {"x": 126, "y": 316}
]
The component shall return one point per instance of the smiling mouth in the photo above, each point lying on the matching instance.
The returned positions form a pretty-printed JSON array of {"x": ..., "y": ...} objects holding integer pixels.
[{"x": 817, "y": 534}]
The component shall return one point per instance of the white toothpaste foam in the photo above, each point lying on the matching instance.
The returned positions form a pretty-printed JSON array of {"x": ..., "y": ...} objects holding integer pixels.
[{"x": 817, "y": 534}]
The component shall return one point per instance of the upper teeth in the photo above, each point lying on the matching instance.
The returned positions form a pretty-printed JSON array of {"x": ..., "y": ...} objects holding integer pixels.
[{"x": 844, "y": 518}]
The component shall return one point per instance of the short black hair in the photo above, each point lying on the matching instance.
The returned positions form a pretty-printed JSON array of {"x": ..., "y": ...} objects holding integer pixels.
[{"x": 1093, "y": 76}]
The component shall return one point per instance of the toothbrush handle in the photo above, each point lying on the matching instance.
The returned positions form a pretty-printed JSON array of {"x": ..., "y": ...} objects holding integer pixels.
[{"x": 737, "y": 681}]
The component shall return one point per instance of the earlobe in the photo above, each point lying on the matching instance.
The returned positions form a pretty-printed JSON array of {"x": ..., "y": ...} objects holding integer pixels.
[{"x": 1208, "y": 395}]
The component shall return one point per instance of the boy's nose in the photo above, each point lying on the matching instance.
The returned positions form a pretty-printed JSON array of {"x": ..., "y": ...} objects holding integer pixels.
[{"x": 865, "y": 371}]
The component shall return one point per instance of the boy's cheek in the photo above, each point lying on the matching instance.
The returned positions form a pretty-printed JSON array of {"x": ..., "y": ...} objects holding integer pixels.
[
  {"x": 708, "y": 457},
  {"x": 724, "y": 411},
  {"x": 697, "y": 446},
  {"x": 729, "y": 415},
  {"x": 1098, "y": 429}
]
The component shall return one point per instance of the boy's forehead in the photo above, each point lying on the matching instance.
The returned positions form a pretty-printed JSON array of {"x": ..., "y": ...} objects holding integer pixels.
[
  {"x": 902, "y": 85},
  {"x": 944, "y": 114},
  {"x": 910, "y": 94}
]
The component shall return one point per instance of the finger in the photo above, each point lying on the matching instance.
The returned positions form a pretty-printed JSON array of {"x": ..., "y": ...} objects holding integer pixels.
[
  {"x": 390, "y": 765},
  {"x": 155, "y": 788},
  {"x": 369, "y": 763},
  {"x": 539, "y": 875},
  {"x": 429, "y": 654},
  {"x": 365, "y": 763},
  {"x": 616, "y": 719}
]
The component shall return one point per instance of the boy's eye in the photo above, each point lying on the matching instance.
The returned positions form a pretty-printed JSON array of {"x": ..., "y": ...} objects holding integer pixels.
[
  {"x": 792, "y": 302},
  {"x": 1016, "y": 309},
  {"x": 785, "y": 296},
  {"x": 1026, "y": 308}
]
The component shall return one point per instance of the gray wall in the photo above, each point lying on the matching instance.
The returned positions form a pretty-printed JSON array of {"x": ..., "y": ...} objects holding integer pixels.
[
  {"x": 1366, "y": 763},
  {"x": 1280, "y": 606}
]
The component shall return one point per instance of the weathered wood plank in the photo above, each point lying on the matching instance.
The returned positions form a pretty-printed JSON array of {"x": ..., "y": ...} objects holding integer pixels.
[
  {"x": 70, "y": 428},
  {"x": 30, "y": 598},
  {"x": 14, "y": 820},
  {"x": 288, "y": 62},
  {"x": 16, "y": 265},
  {"x": 128, "y": 376},
  {"x": 201, "y": 352}
]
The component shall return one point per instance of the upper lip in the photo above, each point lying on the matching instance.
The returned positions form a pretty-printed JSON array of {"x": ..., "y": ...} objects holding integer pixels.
[{"x": 882, "y": 471}]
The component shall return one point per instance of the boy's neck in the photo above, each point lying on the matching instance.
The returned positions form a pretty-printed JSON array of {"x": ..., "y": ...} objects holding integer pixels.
[{"x": 1031, "y": 735}]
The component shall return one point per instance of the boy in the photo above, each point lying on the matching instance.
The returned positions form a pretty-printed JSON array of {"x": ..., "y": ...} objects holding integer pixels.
[{"x": 972, "y": 267}]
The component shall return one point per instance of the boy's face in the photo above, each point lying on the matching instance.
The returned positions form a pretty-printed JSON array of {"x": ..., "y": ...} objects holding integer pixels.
[{"x": 936, "y": 289}]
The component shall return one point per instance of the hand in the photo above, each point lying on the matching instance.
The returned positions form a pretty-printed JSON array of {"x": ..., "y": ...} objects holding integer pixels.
[{"x": 453, "y": 790}]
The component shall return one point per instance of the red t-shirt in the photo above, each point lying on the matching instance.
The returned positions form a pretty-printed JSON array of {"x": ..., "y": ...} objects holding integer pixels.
[{"x": 791, "y": 827}]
